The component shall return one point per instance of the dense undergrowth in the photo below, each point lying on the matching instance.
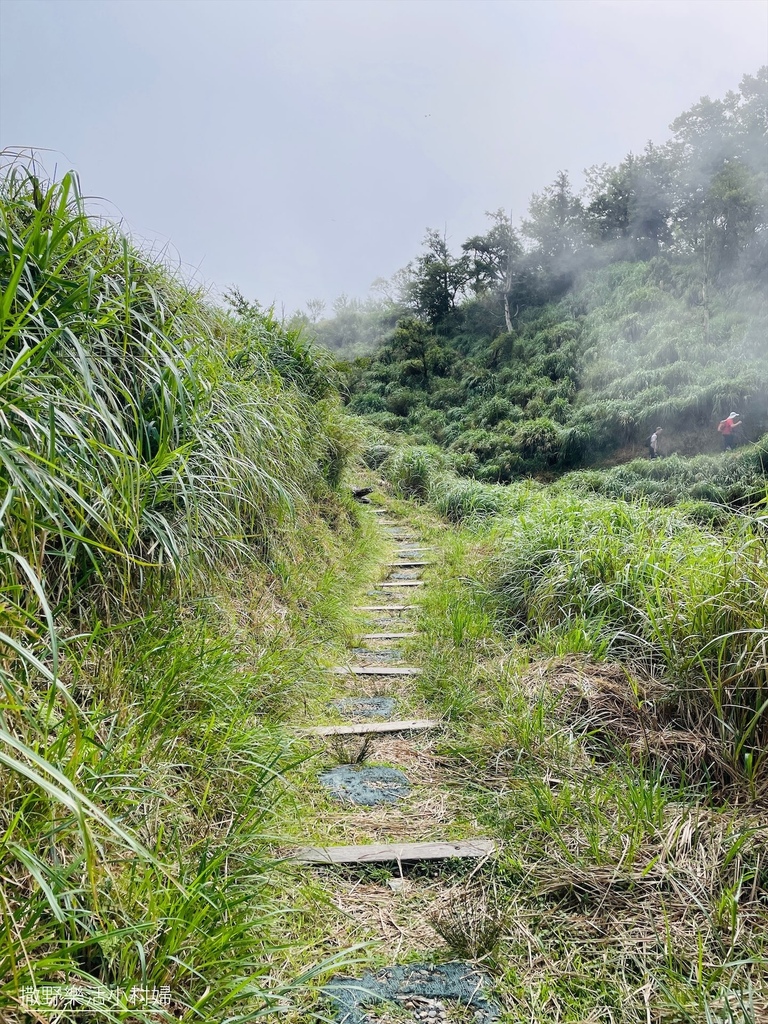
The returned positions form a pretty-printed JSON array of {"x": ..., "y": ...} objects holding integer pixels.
[
  {"x": 151, "y": 442},
  {"x": 677, "y": 592},
  {"x": 711, "y": 488}
]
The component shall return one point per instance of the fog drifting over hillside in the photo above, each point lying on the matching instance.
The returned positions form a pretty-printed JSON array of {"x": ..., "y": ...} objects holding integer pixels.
[{"x": 300, "y": 149}]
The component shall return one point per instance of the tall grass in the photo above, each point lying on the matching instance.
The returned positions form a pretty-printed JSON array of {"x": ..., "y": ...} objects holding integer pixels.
[
  {"x": 685, "y": 604},
  {"x": 710, "y": 483},
  {"x": 139, "y": 424},
  {"x": 628, "y": 891},
  {"x": 149, "y": 441}
]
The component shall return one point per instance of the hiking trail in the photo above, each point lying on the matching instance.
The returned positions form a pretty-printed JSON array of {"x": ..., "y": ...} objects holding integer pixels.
[{"x": 395, "y": 809}]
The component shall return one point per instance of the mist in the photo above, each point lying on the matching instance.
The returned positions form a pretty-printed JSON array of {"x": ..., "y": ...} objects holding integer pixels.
[{"x": 298, "y": 150}]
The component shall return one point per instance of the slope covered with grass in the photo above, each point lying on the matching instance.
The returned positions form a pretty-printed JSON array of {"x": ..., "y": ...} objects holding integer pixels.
[{"x": 168, "y": 474}]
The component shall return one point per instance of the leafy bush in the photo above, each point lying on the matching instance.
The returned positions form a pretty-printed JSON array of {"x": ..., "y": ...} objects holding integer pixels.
[
  {"x": 401, "y": 401},
  {"x": 463, "y": 463},
  {"x": 367, "y": 402},
  {"x": 538, "y": 439}
]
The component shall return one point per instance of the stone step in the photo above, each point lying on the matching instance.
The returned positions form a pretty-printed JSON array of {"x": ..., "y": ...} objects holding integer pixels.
[
  {"x": 377, "y": 852},
  {"x": 361, "y": 728}
]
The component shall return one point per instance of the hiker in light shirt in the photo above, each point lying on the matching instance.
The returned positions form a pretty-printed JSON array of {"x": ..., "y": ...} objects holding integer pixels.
[{"x": 653, "y": 444}]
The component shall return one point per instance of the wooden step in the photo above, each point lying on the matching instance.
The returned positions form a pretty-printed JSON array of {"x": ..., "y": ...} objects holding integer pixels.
[
  {"x": 403, "y": 564},
  {"x": 387, "y": 636},
  {"x": 401, "y": 583},
  {"x": 361, "y": 728},
  {"x": 375, "y": 852},
  {"x": 374, "y": 670},
  {"x": 380, "y": 511},
  {"x": 385, "y": 608}
]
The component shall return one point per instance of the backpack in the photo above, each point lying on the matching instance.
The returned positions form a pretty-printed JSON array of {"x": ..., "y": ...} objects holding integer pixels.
[{"x": 721, "y": 426}]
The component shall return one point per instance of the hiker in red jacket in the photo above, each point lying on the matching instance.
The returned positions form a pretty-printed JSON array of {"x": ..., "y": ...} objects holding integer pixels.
[{"x": 727, "y": 428}]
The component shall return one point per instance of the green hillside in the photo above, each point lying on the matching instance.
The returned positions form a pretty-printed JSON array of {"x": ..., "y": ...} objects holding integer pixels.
[{"x": 566, "y": 340}]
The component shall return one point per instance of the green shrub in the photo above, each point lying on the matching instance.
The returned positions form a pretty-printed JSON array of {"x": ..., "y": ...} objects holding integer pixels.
[
  {"x": 367, "y": 402},
  {"x": 462, "y": 463},
  {"x": 538, "y": 439},
  {"x": 402, "y": 401},
  {"x": 411, "y": 470},
  {"x": 458, "y": 500},
  {"x": 376, "y": 454}
]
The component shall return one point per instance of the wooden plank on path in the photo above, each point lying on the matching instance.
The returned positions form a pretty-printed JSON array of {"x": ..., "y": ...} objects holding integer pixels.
[
  {"x": 374, "y": 852},
  {"x": 360, "y": 728},
  {"x": 401, "y": 583},
  {"x": 374, "y": 670},
  {"x": 404, "y": 564},
  {"x": 385, "y": 608},
  {"x": 387, "y": 636}
]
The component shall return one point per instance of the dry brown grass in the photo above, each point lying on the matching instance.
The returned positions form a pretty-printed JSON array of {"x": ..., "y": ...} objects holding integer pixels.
[
  {"x": 470, "y": 917},
  {"x": 618, "y": 708}
]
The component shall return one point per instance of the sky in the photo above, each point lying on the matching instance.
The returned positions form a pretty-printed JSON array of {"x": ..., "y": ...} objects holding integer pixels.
[{"x": 299, "y": 150}]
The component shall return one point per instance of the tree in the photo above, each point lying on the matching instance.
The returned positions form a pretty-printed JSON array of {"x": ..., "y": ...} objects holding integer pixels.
[
  {"x": 556, "y": 228},
  {"x": 412, "y": 342},
  {"x": 315, "y": 309},
  {"x": 494, "y": 260},
  {"x": 630, "y": 205},
  {"x": 438, "y": 280}
]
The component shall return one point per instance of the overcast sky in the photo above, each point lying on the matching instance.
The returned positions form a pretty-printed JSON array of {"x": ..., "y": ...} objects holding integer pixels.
[{"x": 300, "y": 149}]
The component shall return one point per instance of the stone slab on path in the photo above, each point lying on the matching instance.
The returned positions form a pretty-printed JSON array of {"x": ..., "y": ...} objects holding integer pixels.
[
  {"x": 387, "y": 636},
  {"x": 371, "y": 853},
  {"x": 375, "y": 655},
  {"x": 365, "y": 707},
  {"x": 432, "y": 993},
  {"x": 366, "y": 786}
]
